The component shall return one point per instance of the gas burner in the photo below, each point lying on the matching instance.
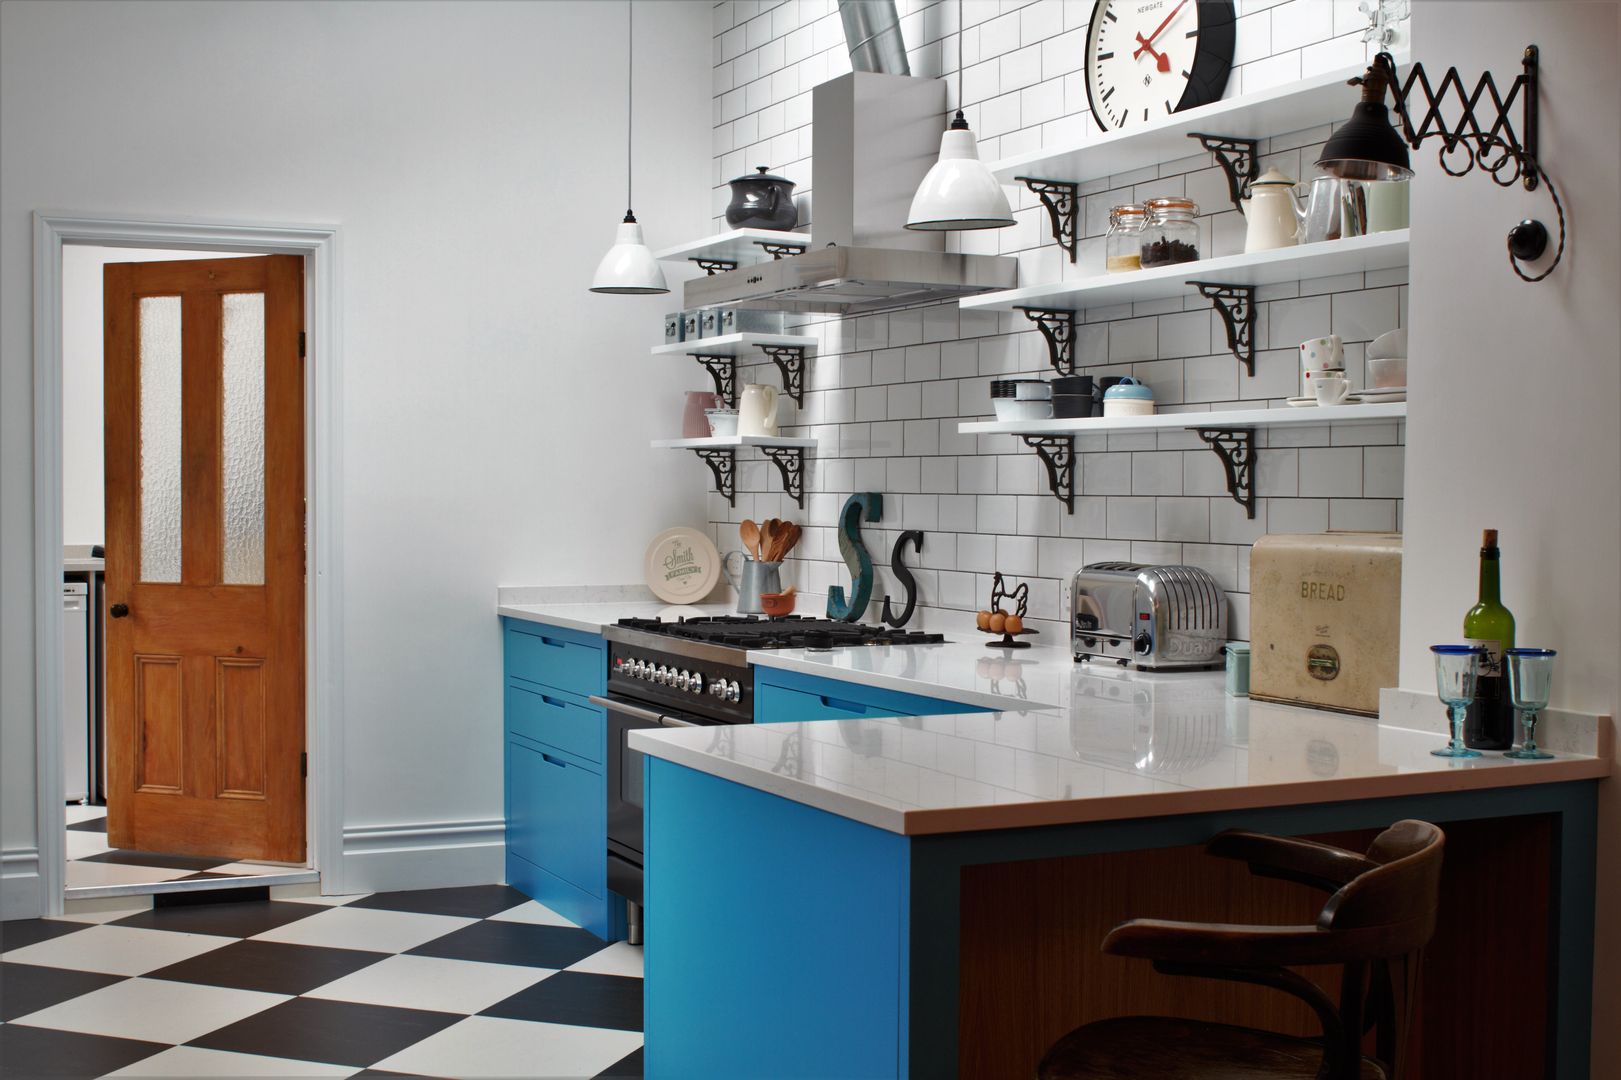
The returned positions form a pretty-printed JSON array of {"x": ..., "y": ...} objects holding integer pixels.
[{"x": 788, "y": 632}]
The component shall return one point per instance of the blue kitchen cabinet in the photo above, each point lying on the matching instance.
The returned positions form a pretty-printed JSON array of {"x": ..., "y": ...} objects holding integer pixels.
[
  {"x": 556, "y": 745},
  {"x": 784, "y": 696}
]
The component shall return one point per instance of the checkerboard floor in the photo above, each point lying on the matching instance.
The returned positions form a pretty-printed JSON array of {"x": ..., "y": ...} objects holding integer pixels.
[
  {"x": 94, "y": 862},
  {"x": 468, "y": 982}
]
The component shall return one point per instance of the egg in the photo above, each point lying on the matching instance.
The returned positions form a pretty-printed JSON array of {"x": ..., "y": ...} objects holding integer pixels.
[
  {"x": 998, "y": 622},
  {"x": 1014, "y": 624},
  {"x": 983, "y": 620}
]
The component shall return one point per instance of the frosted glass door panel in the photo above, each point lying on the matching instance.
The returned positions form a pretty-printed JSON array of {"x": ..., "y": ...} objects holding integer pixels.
[
  {"x": 160, "y": 438},
  {"x": 244, "y": 438}
]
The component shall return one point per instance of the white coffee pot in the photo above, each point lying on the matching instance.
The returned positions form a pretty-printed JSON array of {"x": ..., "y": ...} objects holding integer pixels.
[
  {"x": 757, "y": 410},
  {"x": 1273, "y": 216}
]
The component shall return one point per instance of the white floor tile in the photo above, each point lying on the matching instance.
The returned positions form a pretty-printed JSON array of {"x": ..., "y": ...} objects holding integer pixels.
[
  {"x": 84, "y": 875},
  {"x": 532, "y": 911},
  {"x": 82, "y": 845},
  {"x": 117, "y": 950},
  {"x": 76, "y": 814},
  {"x": 153, "y": 1010},
  {"x": 289, "y": 893},
  {"x": 374, "y": 931},
  {"x": 247, "y": 869},
  {"x": 486, "y": 1046},
  {"x": 102, "y": 909},
  {"x": 427, "y": 982},
  {"x": 195, "y": 1061},
  {"x": 620, "y": 958}
]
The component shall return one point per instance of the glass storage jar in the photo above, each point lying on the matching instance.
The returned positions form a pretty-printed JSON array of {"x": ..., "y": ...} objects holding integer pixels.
[
  {"x": 1171, "y": 235},
  {"x": 1123, "y": 246}
]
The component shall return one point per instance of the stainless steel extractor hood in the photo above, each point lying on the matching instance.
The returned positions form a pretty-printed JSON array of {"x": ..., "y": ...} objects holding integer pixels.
[{"x": 874, "y": 137}]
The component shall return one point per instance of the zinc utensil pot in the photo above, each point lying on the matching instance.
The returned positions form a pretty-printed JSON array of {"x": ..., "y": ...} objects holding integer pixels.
[{"x": 755, "y": 577}]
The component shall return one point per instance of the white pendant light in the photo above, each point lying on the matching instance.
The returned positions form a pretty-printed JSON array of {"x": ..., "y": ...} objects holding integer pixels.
[
  {"x": 959, "y": 192},
  {"x": 629, "y": 266}
]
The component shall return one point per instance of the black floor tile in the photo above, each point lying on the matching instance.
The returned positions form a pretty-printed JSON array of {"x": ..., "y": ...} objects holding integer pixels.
[
  {"x": 514, "y": 943},
  {"x": 269, "y": 966},
  {"x": 93, "y": 825},
  {"x": 626, "y": 1068},
  {"x": 26, "y": 988},
  {"x": 224, "y": 920},
  {"x": 19, "y": 932},
  {"x": 470, "y": 902},
  {"x": 153, "y": 858},
  {"x": 577, "y": 998},
  {"x": 246, "y": 894},
  {"x": 30, "y": 1052},
  {"x": 336, "y": 1032}
]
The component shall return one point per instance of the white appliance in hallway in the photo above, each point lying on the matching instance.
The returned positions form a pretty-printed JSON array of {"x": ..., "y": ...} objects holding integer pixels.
[{"x": 76, "y": 682}]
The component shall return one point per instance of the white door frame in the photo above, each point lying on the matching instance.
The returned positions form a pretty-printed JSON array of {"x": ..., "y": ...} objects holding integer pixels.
[{"x": 319, "y": 246}]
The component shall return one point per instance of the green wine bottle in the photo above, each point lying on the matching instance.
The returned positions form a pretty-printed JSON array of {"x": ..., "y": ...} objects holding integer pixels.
[{"x": 1489, "y": 724}]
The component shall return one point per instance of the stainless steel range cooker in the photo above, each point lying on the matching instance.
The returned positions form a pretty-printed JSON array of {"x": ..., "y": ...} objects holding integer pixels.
[{"x": 692, "y": 673}]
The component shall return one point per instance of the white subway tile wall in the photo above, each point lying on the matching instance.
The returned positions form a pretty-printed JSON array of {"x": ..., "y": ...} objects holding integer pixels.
[{"x": 885, "y": 393}]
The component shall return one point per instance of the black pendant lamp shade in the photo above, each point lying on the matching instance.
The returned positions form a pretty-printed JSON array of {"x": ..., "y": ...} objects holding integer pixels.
[{"x": 1368, "y": 146}]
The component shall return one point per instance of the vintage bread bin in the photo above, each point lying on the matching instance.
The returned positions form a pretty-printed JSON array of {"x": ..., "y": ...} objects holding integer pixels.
[{"x": 1325, "y": 619}]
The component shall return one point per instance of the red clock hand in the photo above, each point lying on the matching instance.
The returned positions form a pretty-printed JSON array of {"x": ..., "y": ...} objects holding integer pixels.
[
  {"x": 1161, "y": 28},
  {"x": 1161, "y": 61}
]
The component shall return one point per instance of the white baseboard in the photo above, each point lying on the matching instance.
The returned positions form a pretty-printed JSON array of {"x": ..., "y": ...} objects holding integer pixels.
[
  {"x": 434, "y": 855},
  {"x": 22, "y": 890}
]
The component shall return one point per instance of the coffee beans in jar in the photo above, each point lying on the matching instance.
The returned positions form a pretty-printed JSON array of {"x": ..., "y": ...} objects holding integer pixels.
[
  {"x": 1123, "y": 246},
  {"x": 1171, "y": 235}
]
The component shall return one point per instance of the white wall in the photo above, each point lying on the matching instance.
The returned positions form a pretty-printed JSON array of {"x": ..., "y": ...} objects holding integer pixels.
[
  {"x": 84, "y": 508},
  {"x": 492, "y": 407},
  {"x": 1516, "y": 390}
]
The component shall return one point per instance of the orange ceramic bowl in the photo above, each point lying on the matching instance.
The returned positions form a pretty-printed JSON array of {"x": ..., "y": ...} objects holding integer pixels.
[{"x": 777, "y": 603}]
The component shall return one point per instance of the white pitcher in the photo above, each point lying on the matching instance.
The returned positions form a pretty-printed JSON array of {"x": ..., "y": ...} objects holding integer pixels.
[
  {"x": 757, "y": 410},
  {"x": 1272, "y": 215}
]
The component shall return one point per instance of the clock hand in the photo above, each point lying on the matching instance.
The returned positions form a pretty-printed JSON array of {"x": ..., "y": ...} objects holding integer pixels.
[
  {"x": 1161, "y": 28},
  {"x": 1161, "y": 61}
]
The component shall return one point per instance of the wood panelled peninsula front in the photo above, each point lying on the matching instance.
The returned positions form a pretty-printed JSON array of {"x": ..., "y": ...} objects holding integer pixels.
[{"x": 205, "y": 556}]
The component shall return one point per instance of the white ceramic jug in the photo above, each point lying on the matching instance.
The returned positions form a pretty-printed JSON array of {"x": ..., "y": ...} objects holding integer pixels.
[
  {"x": 757, "y": 410},
  {"x": 1272, "y": 214}
]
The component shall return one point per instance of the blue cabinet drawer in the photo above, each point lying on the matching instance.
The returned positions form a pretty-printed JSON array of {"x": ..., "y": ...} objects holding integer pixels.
[
  {"x": 556, "y": 815},
  {"x": 778, "y": 704},
  {"x": 551, "y": 657},
  {"x": 556, "y": 721}
]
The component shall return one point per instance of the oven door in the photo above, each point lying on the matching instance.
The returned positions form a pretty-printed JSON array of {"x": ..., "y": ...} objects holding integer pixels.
[{"x": 625, "y": 787}]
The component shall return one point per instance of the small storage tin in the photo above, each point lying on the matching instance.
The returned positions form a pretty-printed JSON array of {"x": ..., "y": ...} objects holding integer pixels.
[{"x": 1238, "y": 669}]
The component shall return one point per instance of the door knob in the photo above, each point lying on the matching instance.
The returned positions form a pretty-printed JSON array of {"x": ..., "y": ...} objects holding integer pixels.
[{"x": 118, "y": 611}]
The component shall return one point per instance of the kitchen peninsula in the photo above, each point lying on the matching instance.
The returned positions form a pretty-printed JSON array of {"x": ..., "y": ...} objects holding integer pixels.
[{"x": 924, "y": 896}]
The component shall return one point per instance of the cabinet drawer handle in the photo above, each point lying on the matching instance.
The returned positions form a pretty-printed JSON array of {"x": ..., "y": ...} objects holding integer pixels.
[
  {"x": 553, "y": 702},
  {"x": 553, "y": 644},
  {"x": 847, "y": 706},
  {"x": 548, "y": 759}
]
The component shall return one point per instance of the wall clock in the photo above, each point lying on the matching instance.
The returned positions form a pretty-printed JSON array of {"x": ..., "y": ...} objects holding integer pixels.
[{"x": 1149, "y": 58}]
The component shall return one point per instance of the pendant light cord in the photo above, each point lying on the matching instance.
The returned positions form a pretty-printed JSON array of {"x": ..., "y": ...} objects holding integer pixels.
[
  {"x": 630, "y": 100},
  {"x": 959, "y": 123}
]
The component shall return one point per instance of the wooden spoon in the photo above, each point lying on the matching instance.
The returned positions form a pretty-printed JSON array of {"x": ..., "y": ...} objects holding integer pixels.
[
  {"x": 791, "y": 534},
  {"x": 768, "y": 539},
  {"x": 751, "y": 537}
]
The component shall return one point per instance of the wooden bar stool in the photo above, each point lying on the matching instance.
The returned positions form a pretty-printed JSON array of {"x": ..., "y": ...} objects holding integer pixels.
[{"x": 1375, "y": 926}]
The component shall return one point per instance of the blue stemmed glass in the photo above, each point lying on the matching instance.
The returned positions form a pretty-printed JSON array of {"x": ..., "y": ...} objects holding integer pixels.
[
  {"x": 1530, "y": 680},
  {"x": 1456, "y": 669}
]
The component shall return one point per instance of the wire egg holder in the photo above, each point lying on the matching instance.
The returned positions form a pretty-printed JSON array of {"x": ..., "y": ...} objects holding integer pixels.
[{"x": 1021, "y": 600}]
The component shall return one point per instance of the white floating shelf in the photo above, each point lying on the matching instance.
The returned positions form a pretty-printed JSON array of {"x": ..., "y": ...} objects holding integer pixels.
[
  {"x": 740, "y": 246},
  {"x": 725, "y": 442},
  {"x": 1305, "y": 103},
  {"x": 1380, "y": 251},
  {"x": 733, "y": 344},
  {"x": 1227, "y": 418}
]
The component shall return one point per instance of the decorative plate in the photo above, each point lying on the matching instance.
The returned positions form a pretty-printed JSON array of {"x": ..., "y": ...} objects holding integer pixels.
[
  {"x": 1303, "y": 403},
  {"x": 1382, "y": 395},
  {"x": 682, "y": 566}
]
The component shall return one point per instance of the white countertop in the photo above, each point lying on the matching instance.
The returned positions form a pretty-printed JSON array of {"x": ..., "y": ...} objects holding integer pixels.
[
  {"x": 593, "y": 617},
  {"x": 1126, "y": 745},
  {"x": 85, "y": 565}
]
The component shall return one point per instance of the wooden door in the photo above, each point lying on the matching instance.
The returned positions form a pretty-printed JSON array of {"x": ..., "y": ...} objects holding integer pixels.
[{"x": 205, "y": 557}]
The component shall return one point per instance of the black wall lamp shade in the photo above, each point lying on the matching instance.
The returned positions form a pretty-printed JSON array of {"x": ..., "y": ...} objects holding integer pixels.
[{"x": 1368, "y": 146}]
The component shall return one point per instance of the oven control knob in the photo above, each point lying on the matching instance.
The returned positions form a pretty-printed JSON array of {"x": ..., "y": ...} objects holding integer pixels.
[
  {"x": 655, "y": 673},
  {"x": 641, "y": 669},
  {"x": 717, "y": 689},
  {"x": 734, "y": 692},
  {"x": 697, "y": 686},
  {"x": 684, "y": 680},
  {"x": 666, "y": 676}
]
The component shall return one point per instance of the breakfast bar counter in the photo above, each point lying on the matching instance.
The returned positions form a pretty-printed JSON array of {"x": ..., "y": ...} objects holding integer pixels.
[{"x": 924, "y": 896}]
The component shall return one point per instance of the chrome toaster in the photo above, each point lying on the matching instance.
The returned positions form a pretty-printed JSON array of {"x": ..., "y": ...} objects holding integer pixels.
[{"x": 1150, "y": 616}]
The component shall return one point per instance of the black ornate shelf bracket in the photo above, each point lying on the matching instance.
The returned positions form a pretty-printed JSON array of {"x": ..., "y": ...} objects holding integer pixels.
[
  {"x": 723, "y": 369},
  {"x": 1058, "y": 327},
  {"x": 790, "y": 462},
  {"x": 778, "y": 250},
  {"x": 1238, "y": 159},
  {"x": 1057, "y": 453},
  {"x": 1063, "y": 203},
  {"x": 1236, "y": 448},
  {"x": 714, "y": 266},
  {"x": 723, "y": 463},
  {"x": 791, "y": 361},
  {"x": 1236, "y": 306}
]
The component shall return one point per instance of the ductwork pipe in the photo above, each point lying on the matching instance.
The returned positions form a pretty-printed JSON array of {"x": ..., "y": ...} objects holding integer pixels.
[{"x": 872, "y": 30}]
